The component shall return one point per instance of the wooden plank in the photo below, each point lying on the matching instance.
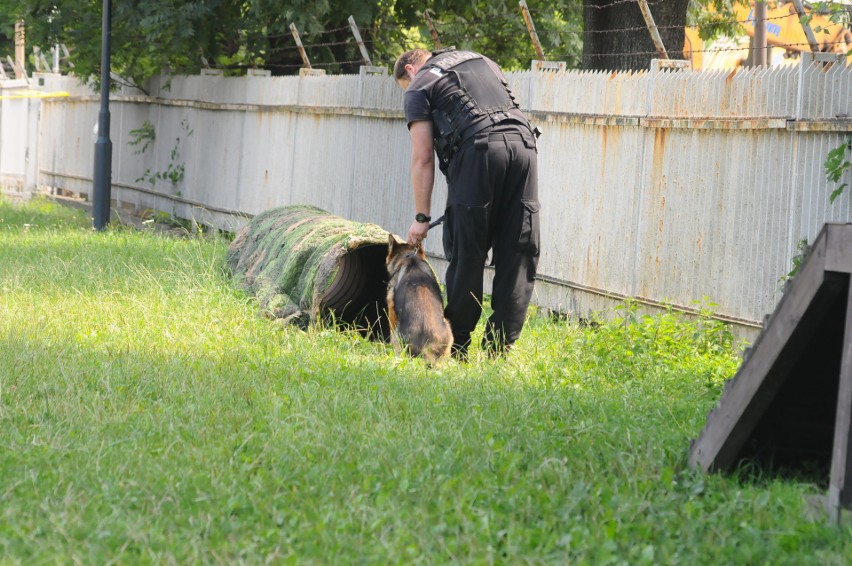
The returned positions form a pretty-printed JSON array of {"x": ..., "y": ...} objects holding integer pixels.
[
  {"x": 525, "y": 12},
  {"x": 762, "y": 373},
  {"x": 365, "y": 56},
  {"x": 839, "y": 251},
  {"x": 652, "y": 29},
  {"x": 840, "y": 482}
]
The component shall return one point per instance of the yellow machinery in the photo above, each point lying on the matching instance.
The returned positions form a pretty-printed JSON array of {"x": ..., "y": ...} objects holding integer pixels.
[{"x": 783, "y": 30}]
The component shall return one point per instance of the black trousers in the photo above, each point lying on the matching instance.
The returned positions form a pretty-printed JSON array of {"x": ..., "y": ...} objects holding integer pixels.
[{"x": 492, "y": 204}]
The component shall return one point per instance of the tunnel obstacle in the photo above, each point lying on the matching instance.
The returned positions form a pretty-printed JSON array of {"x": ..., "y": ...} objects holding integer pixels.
[{"x": 304, "y": 264}]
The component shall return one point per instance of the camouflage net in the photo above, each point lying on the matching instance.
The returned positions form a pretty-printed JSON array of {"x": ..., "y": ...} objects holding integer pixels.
[{"x": 303, "y": 263}]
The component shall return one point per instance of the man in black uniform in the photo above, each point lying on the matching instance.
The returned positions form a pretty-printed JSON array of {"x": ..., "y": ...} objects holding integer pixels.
[{"x": 458, "y": 106}]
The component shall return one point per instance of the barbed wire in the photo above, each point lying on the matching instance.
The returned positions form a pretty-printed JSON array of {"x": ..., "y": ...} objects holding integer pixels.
[
  {"x": 560, "y": 31},
  {"x": 654, "y": 2},
  {"x": 449, "y": 34},
  {"x": 714, "y": 50},
  {"x": 309, "y": 34},
  {"x": 326, "y": 32},
  {"x": 698, "y": 25},
  {"x": 616, "y": 2},
  {"x": 569, "y": 31},
  {"x": 332, "y": 43},
  {"x": 291, "y": 66},
  {"x": 780, "y": 46},
  {"x": 318, "y": 64}
]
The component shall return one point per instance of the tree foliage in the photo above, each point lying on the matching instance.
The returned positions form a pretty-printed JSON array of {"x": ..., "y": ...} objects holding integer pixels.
[
  {"x": 617, "y": 37},
  {"x": 9, "y": 11},
  {"x": 498, "y": 29},
  {"x": 181, "y": 36},
  {"x": 148, "y": 35},
  {"x": 715, "y": 18}
]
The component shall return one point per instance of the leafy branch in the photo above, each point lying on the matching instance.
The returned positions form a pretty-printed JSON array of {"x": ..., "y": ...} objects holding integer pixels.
[
  {"x": 836, "y": 164},
  {"x": 175, "y": 170},
  {"x": 143, "y": 135}
]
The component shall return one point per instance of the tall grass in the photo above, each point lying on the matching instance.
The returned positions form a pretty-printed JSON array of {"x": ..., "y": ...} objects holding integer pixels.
[{"x": 149, "y": 414}]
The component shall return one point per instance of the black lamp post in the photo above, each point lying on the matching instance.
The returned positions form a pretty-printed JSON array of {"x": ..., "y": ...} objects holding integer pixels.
[{"x": 103, "y": 145}]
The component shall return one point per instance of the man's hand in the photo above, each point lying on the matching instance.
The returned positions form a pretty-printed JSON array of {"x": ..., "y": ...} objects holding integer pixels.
[{"x": 417, "y": 232}]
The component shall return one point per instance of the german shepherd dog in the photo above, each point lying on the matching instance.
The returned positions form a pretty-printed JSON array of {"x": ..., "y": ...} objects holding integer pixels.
[{"x": 415, "y": 305}]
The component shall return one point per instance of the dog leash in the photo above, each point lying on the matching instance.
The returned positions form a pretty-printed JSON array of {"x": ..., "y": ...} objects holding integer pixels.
[{"x": 436, "y": 222}]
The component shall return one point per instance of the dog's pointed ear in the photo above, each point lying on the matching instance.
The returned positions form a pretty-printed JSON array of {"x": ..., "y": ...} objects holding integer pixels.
[
  {"x": 391, "y": 243},
  {"x": 421, "y": 252}
]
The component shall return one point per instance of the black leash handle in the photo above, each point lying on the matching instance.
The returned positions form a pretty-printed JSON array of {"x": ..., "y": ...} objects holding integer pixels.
[{"x": 436, "y": 222}]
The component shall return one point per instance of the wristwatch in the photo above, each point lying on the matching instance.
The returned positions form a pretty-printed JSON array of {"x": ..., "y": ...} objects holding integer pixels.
[{"x": 422, "y": 218}]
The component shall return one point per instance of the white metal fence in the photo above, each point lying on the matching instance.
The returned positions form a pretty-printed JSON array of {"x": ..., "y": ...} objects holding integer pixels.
[
  {"x": 18, "y": 136},
  {"x": 669, "y": 187}
]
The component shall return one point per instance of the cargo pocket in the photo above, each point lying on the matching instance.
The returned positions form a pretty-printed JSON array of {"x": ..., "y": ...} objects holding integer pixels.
[{"x": 528, "y": 239}]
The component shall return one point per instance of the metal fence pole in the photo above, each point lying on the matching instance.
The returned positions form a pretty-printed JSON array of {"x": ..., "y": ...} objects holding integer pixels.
[{"x": 760, "y": 34}]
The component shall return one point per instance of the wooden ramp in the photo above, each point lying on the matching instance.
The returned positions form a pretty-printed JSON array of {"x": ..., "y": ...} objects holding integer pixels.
[{"x": 787, "y": 410}]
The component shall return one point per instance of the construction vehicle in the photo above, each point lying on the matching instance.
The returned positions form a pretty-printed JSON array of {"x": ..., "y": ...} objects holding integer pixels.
[{"x": 784, "y": 30}]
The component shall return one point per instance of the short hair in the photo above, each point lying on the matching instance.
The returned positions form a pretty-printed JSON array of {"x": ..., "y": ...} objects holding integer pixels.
[{"x": 408, "y": 58}]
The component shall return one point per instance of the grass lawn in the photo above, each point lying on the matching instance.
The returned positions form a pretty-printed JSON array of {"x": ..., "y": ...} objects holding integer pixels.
[{"x": 148, "y": 414}]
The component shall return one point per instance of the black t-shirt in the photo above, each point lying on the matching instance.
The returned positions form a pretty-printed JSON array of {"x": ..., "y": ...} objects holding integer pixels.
[{"x": 432, "y": 87}]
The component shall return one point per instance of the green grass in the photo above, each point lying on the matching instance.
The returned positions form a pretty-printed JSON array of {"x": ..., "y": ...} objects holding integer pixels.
[{"x": 148, "y": 414}]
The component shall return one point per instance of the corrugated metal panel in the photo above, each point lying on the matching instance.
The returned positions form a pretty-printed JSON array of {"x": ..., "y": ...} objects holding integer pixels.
[
  {"x": 752, "y": 93},
  {"x": 827, "y": 94},
  {"x": 812, "y": 200},
  {"x": 672, "y": 187},
  {"x": 714, "y": 225},
  {"x": 381, "y": 93},
  {"x": 17, "y": 115},
  {"x": 582, "y": 92}
]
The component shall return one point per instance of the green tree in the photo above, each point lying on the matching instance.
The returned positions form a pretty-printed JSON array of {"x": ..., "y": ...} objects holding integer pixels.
[
  {"x": 148, "y": 35},
  {"x": 183, "y": 36},
  {"x": 617, "y": 37},
  {"x": 9, "y": 13},
  {"x": 498, "y": 29}
]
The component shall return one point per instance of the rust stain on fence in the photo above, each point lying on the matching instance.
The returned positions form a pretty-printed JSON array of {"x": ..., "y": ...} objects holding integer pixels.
[
  {"x": 705, "y": 123},
  {"x": 839, "y": 125},
  {"x": 659, "y": 152},
  {"x": 708, "y": 128}
]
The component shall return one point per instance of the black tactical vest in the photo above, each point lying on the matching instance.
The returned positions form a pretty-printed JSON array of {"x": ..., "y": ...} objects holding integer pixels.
[{"x": 482, "y": 99}]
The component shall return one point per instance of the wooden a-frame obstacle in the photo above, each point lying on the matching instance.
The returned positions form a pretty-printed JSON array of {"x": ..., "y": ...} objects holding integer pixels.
[{"x": 788, "y": 407}]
